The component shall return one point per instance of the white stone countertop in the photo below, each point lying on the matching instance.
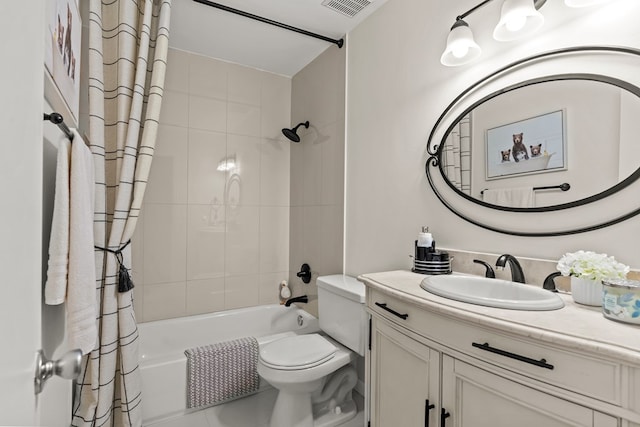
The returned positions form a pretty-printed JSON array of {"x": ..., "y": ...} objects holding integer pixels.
[{"x": 575, "y": 326}]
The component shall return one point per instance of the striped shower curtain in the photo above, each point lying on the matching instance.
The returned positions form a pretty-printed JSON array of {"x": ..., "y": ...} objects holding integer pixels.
[
  {"x": 456, "y": 155},
  {"x": 128, "y": 42}
]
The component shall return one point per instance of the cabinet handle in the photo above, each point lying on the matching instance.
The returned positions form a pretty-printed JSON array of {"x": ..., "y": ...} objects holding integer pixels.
[
  {"x": 427, "y": 408},
  {"x": 541, "y": 363},
  {"x": 384, "y": 307},
  {"x": 443, "y": 417}
]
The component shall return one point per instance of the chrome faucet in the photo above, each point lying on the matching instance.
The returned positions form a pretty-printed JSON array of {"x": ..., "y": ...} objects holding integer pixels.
[
  {"x": 302, "y": 298},
  {"x": 517, "y": 275}
]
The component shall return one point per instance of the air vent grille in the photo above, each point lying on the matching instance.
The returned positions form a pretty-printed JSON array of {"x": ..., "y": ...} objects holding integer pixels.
[{"x": 346, "y": 7}]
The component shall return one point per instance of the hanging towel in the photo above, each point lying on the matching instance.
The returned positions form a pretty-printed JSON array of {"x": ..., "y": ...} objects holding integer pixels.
[
  {"x": 77, "y": 288},
  {"x": 518, "y": 197},
  {"x": 55, "y": 288},
  {"x": 220, "y": 372}
]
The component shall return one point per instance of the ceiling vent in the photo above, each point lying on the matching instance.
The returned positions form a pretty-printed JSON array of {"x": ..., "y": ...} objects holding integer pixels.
[{"x": 346, "y": 7}]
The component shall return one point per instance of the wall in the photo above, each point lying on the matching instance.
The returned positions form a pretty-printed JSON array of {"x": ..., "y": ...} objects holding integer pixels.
[
  {"x": 397, "y": 89},
  {"x": 211, "y": 240},
  {"x": 317, "y": 171}
]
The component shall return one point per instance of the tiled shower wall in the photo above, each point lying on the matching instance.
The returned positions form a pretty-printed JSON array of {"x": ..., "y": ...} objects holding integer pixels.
[
  {"x": 317, "y": 171},
  {"x": 211, "y": 239}
]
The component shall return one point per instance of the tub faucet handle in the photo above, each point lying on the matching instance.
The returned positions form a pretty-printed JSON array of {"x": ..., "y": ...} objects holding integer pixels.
[{"x": 305, "y": 273}]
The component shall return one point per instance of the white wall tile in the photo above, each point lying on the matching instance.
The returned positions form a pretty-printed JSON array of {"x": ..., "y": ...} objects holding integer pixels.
[
  {"x": 206, "y": 183},
  {"x": 274, "y": 239},
  {"x": 241, "y": 291},
  {"x": 165, "y": 243},
  {"x": 175, "y": 108},
  {"x": 205, "y": 296},
  {"x": 243, "y": 119},
  {"x": 312, "y": 176},
  {"x": 244, "y": 84},
  {"x": 332, "y": 188},
  {"x": 297, "y": 248},
  {"x": 276, "y": 106},
  {"x": 164, "y": 301},
  {"x": 274, "y": 172},
  {"x": 205, "y": 241},
  {"x": 242, "y": 241},
  {"x": 246, "y": 150},
  {"x": 167, "y": 181},
  {"x": 177, "y": 75},
  {"x": 208, "y": 77},
  {"x": 207, "y": 114}
]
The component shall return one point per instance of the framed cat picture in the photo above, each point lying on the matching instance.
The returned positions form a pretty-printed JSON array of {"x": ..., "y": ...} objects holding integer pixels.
[{"x": 529, "y": 146}]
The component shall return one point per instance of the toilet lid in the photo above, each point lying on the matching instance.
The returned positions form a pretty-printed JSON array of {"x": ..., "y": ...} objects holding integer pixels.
[{"x": 297, "y": 352}]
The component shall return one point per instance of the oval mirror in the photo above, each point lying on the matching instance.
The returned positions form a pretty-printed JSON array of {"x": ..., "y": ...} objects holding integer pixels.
[{"x": 545, "y": 142}]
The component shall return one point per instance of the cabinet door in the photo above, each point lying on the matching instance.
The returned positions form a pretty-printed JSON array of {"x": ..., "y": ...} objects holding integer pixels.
[
  {"x": 404, "y": 379},
  {"x": 477, "y": 398}
]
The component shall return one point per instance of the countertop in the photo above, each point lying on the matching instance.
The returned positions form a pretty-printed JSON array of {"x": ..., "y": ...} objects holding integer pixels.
[{"x": 575, "y": 326}]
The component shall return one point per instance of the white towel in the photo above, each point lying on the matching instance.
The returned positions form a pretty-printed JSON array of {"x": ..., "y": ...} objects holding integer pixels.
[
  {"x": 518, "y": 197},
  {"x": 80, "y": 290},
  {"x": 55, "y": 289}
]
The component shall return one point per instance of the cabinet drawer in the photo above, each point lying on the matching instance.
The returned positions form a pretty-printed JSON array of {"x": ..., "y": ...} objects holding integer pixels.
[{"x": 584, "y": 374}]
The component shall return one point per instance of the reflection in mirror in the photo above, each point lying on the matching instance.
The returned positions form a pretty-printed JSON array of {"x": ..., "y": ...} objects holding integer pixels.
[{"x": 580, "y": 132}]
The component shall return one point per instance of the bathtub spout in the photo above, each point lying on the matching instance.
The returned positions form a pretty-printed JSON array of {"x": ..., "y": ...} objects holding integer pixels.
[{"x": 302, "y": 298}]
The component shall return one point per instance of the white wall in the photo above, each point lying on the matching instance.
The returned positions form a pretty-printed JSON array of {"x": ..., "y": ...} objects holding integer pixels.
[{"x": 396, "y": 89}]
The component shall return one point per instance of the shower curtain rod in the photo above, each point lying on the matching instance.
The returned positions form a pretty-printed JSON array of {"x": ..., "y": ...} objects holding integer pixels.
[
  {"x": 339, "y": 42},
  {"x": 57, "y": 119}
]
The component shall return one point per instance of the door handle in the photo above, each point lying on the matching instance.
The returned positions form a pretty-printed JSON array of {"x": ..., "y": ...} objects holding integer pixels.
[{"x": 67, "y": 367}]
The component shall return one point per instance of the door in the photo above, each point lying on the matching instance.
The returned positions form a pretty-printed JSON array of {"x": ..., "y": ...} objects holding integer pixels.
[
  {"x": 404, "y": 379},
  {"x": 477, "y": 398},
  {"x": 21, "y": 103}
]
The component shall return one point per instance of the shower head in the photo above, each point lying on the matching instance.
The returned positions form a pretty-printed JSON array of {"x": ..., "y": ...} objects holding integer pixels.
[{"x": 292, "y": 133}]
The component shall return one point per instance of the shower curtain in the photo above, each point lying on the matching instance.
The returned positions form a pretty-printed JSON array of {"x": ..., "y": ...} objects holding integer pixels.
[
  {"x": 456, "y": 156},
  {"x": 128, "y": 42}
]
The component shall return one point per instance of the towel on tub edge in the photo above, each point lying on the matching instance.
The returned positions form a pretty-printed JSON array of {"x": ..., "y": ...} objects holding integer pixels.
[{"x": 223, "y": 371}]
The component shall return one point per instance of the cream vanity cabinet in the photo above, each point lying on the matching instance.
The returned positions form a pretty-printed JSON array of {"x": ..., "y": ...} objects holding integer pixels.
[{"x": 434, "y": 368}]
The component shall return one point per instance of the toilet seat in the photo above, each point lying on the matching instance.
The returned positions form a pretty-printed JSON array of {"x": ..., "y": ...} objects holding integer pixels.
[{"x": 297, "y": 352}]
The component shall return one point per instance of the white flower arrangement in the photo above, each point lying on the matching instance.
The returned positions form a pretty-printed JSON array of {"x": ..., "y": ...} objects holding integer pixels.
[{"x": 591, "y": 266}]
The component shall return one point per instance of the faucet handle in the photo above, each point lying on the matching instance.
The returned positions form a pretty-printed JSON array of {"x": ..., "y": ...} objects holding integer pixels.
[
  {"x": 488, "y": 269},
  {"x": 304, "y": 273},
  {"x": 549, "y": 282}
]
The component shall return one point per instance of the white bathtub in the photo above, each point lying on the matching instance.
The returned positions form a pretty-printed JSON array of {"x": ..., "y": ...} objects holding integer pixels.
[{"x": 163, "y": 342}]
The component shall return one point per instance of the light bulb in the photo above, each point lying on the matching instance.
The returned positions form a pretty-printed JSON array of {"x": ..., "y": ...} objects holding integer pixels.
[
  {"x": 516, "y": 23},
  {"x": 460, "y": 51}
]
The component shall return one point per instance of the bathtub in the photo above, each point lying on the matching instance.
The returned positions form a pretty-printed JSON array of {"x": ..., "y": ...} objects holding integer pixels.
[{"x": 163, "y": 365}]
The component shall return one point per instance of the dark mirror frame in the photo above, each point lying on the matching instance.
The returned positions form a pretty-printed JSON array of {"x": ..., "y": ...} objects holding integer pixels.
[{"x": 435, "y": 150}]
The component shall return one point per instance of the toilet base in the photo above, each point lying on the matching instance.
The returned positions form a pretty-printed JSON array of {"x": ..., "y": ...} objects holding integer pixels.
[
  {"x": 348, "y": 410},
  {"x": 294, "y": 410}
]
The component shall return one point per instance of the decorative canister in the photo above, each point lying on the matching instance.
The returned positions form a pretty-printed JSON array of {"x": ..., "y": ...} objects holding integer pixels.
[
  {"x": 621, "y": 300},
  {"x": 586, "y": 291}
]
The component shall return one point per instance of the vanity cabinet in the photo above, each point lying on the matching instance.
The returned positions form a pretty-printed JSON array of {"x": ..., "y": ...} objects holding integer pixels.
[{"x": 431, "y": 368}]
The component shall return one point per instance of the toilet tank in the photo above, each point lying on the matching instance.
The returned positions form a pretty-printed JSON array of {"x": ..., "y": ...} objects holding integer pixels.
[{"x": 341, "y": 310}]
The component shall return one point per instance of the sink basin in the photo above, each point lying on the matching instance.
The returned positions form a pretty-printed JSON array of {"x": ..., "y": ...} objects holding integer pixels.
[{"x": 492, "y": 292}]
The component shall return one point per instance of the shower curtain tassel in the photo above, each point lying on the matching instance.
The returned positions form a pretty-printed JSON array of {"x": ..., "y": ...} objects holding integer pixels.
[{"x": 125, "y": 284}]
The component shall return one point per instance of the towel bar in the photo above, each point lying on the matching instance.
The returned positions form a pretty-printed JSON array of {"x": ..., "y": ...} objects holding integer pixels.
[{"x": 57, "y": 119}]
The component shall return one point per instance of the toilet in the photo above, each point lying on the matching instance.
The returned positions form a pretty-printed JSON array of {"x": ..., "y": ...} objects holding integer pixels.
[{"x": 313, "y": 373}]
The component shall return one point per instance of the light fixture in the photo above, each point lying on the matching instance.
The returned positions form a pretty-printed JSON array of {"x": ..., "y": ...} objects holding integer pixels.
[
  {"x": 461, "y": 47},
  {"x": 583, "y": 3},
  {"x": 518, "y": 18}
]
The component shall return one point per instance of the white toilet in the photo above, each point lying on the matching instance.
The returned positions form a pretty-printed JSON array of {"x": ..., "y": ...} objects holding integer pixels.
[{"x": 313, "y": 373}]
